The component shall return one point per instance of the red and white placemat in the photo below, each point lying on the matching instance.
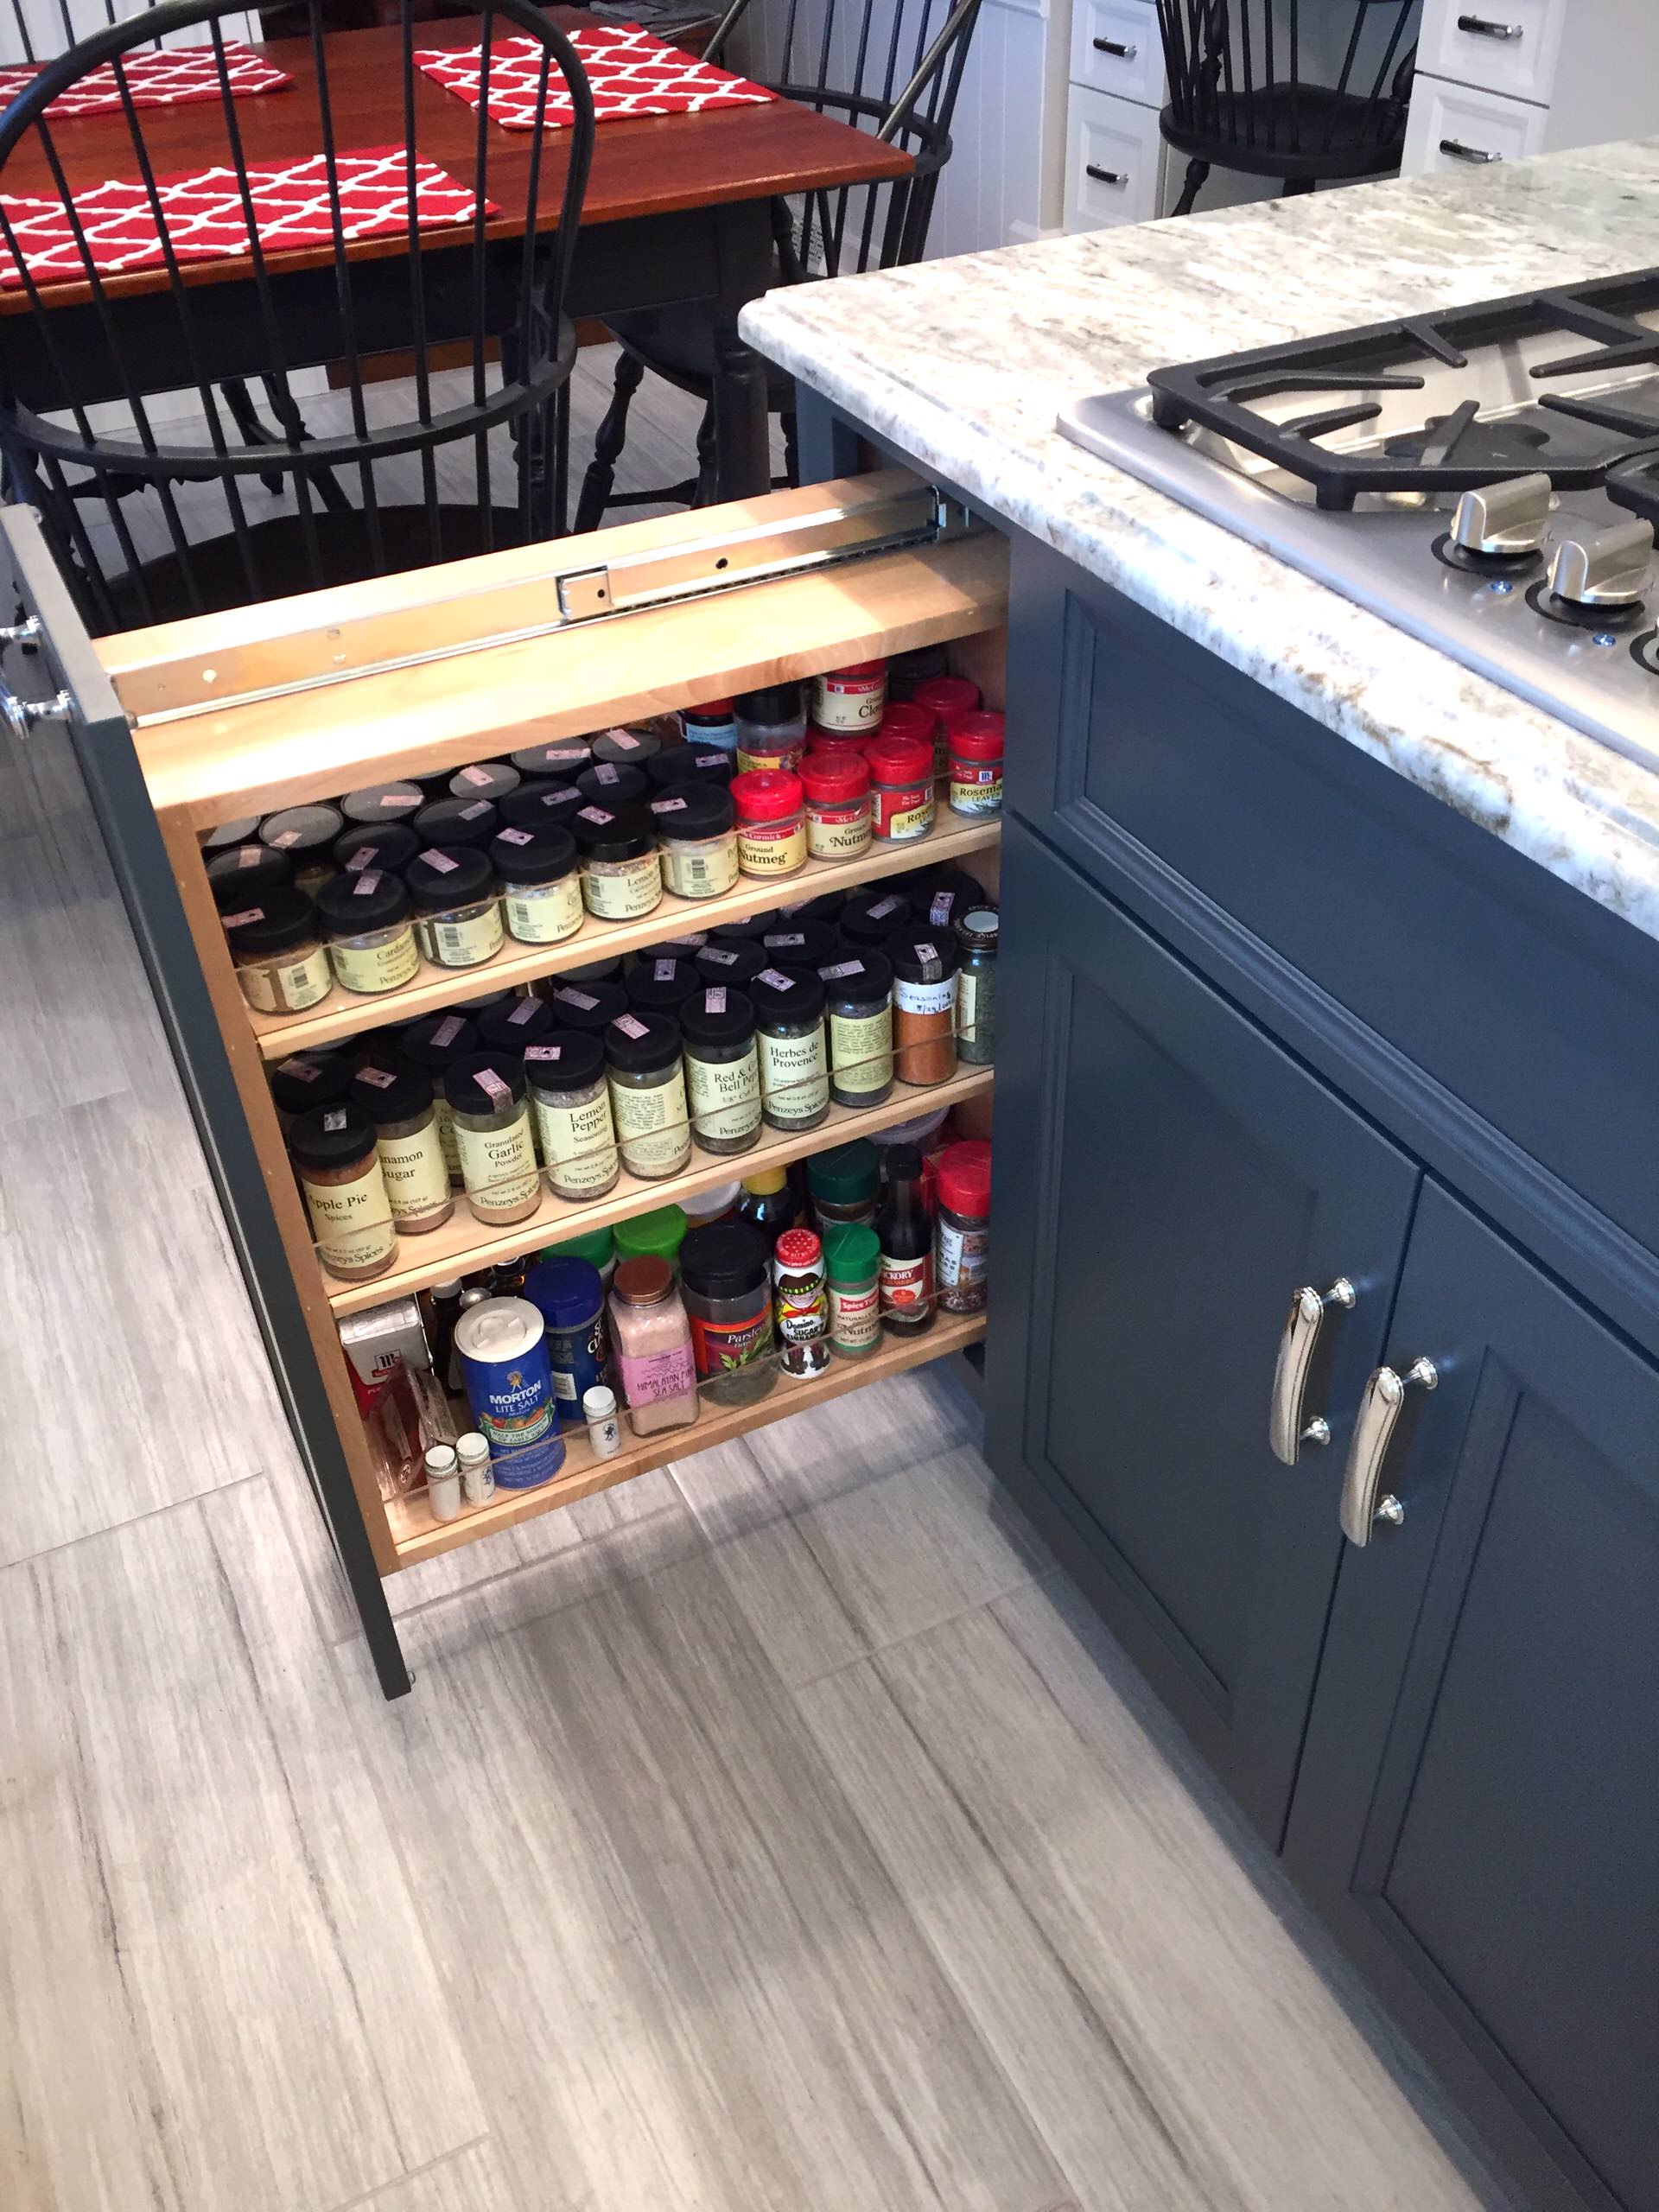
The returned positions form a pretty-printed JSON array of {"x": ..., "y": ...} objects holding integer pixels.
[
  {"x": 205, "y": 219},
  {"x": 630, "y": 73},
  {"x": 170, "y": 78}
]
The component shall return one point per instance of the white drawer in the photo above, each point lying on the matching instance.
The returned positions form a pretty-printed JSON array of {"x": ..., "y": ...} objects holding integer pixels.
[
  {"x": 1115, "y": 48},
  {"x": 1499, "y": 46},
  {"x": 1452, "y": 126},
  {"x": 1113, "y": 158}
]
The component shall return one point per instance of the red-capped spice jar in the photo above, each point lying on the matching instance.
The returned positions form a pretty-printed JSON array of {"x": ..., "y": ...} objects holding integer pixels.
[
  {"x": 904, "y": 719},
  {"x": 838, "y": 744},
  {"x": 851, "y": 698},
  {"x": 945, "y": 697},
  {"x": 975, "y": 744},
  {"x": 771, "y": 821},
  {"x": 839, "y": 816},
  {"x": 901, "y": 788}
]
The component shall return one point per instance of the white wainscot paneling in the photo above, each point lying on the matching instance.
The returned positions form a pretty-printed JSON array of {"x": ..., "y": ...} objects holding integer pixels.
[{"x": 1004, "y": 169}]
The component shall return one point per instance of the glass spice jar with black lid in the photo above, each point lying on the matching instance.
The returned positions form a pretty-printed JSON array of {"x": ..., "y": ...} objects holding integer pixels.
[
  {"x": 389, "y": 845},
  {"x": 563, "y": 760},
  {"x": 722, "y": 1068},
  {"x": 540, "y": 806},
  {"x": 826, "y": 907},
  {"x": 870, "y": 918},
  {"x": 436, "y": 1043},
  {"x": 571, "y": 1101},
  {"x": 491, "y": 779},
  {"x": 514, "y": 1024},
  {"x": 739, "y": 962},
  {"x": 726, "y": 1281},
  {"x": 276, "y": 944},
  {"x": 333, "y": 1148},
  {"x": 306, "y": 1080},
  {"x": 396, "y": 1097},
  {"x": 612, "y": 785},
  {"x": 660, "y": 984},
  {"x": 789, "y": 1004},
  {"x": 797, "y": 943},
  {"x": 243, "y": 873},
  {"x": 691, "y": 763},
  {"x": 621, "y": 875},
  {"x": 307, "y": 834},
  {"x": 627, "y": 748},
  {"x": 541, "y": 883},
  {"x": 924, "y": 1005},
  {"x": 382, "y": 803},
  {"x": 371, "y": 938},
  {"x": 697, "y": 831},
  {"x": 977, "y": 931},
  {"x": 944, "y": 893},
  {"x": 642, "y": 1058},
  {"x": 457, "y": 905},
  {"x": 457, "y": 822},
  {"x": 859, "y": 986},
  {"x": 489, "y": 1107},
  {"x": 587, "y": 1005}
]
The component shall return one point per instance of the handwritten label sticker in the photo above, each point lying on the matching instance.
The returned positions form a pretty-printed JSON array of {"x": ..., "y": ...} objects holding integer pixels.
[
  {"x": 368, "y": 881},
  {"x": 441, "y": 861},
  {"x": 381, "y": 1079},
  {"x": 491, "y": 1085},
  {"x": 777, "y": 978},
  {"x": 479, "y": 778},
  {"x": 284, "y": 838},
  {"x": 542, "y": 1051},
  {"x": 668, "y": 806},
  {"x": 719, "y": 952},
  {"x": 709, "y": 759},
  {"x": 516, "y": 836},
  {"x": 596, "y": 815},
  {"x": 299, "y": 1070},
  {"x": 568, "y": 997},
  {"x": 526, "y": 1010},
  {"x": 664, "y": 970},
  {"x": 630, "y": 1025},
  {"x": 399, "y": 799},
  {"x": 715, "y": 998},
  {"x": 471, "y": 813},
  {"x": 247, "y": 914},
  {"x": 940, "y": 912},
  {"x": 780, "y": 940},
  {"x": 626, "y": 739},
  {"x": 448, "y": 1030},
  {"x": 885, "y": 907},
  {"x": 605, "y": 773},
  {"x": 360, "y": 859},
  {"x": 841, "y": 970}
]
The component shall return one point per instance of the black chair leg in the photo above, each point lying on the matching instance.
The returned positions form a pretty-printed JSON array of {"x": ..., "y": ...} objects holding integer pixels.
[
  {"x": 708, "y": 485},
  {"x": 608, "y": 442},
  {"x": 1196, "y": 171}
]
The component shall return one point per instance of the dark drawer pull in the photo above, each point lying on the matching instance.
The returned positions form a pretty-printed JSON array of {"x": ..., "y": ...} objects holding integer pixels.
[
  {"x": 1116, "y": 46},
  {"x": 1484, "y": 27},
  {"x": 1105, "y": 177},
  {"x": 1459, "y": 152}
]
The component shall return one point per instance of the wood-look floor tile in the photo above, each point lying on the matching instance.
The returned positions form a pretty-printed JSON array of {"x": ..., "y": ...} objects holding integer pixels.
[
  {"x": 842, "y": 1536},
  {"x": 691, "y": 1984},
  {"x": 1176, "y": 2046},
  {"x": 471, "y": 2181},
  {"x": 60, "y": 1047},
  {"x": 216, "y": 1991}
]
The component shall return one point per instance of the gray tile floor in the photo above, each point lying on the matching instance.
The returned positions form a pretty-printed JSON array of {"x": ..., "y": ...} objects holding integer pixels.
[{"x": 775, "y": 1834}]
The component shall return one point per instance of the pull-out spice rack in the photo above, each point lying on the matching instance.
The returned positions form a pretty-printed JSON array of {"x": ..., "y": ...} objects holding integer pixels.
[{"x": 186, "y": 725}]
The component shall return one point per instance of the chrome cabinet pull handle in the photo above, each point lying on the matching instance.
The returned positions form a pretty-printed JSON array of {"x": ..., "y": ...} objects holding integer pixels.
[
  {"x": 1286, "y": 1431},
  {"x": 1105, "y": 177},
  {"x": 1379, "y": 1409},
  {"x": 1484, "y": 27},
  {"x": 1459, "y": 152},
  {"x": 1116, "y": 46},
  {"x": 20, "y": 715}
]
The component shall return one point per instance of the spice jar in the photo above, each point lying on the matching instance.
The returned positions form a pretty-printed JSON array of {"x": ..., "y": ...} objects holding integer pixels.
[
  {"x": 962, "y": 1229},
  {"x": 626, "y": 748},
  {"x": 457, "y": 908},
  {"x": 839, "y": 812},
  {"x": 512, "y": 1024},
  {"x": 799, "y": 943},
  {"x": 906, "y": 671},
  {"x": 382, "y": 803},
  {"x": 945, "y": 697},
  {"x": 224, "y": 835},
  {"x": 725, "y": 1279},
  {"x": 457, "y": 822},
  {"x": 652, "y": 1338},
  {"x": 770, "y": 822},
  {"x": 598, "y": 1411},
  {"x": 591, "y": 1008},
  {"x": 399, "y": 1100},
  {"x": 597, "y": 1245},
  {"x": 852, "y": 1267},
  {"x": 691, "y": 763},
  {"x": 925, "y": 1006},
  {"x": 771, "y": 726},
  {"x": 487, "y": 1096},
  {"x": 491, "y": 779},
  {"x": 946, "y": 893},
  {"x": 843, "y": 1184},
  {"x": 973, "y": 750},
  {"x": 435, "y": 1044},
  {"x": 642, "y": 1058},
  {"x": 794, "y": 1063},
  {"x": 371, "y": 939},
  {"x": 307, "y": 834},
  {"x": 563, "y": 760},
  {"x": 850, "y": 698},
  {"x": 571, "y": 1101},
  {"x": 739, "y": 962},
  {"x": 870, "y": 918},
  {"x": 242, "y": 876},
  {"x": 389, "y": 845},
  {"x": 621, "y": 876},
  {"x": 695, "y": 825},
  {"x": 477, "y": 1475},
  {"x": 722, "y": 1068},
  {"x": 443, "y": 1482},
  {"x": 976, "y": 939},
  {"x": 826, "y": 907},
  {"x": 570, "y": 1298},
  {"x": 332, "y": 1147},
  {"x": 713, "y": 724},
  {"x": 801, "y": 1304},
  {"x": 277, "y": 947},
  {"x": 307, "y": 1080},
  {"x": 541, "y": 887},
  {"x": 859, "y": 990},
  {"x": 904, "y": 719},
  {"x": 657, "y": 1235},
  {"x": 901, "y": 788},
  {"x": 612, "y": 786},
  {"x": 540, "y": 806},
  {"x": 661, "y": 983}
]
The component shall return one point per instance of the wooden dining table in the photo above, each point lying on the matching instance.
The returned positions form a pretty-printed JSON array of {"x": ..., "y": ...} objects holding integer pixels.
[{"x": 678, "y": 212}]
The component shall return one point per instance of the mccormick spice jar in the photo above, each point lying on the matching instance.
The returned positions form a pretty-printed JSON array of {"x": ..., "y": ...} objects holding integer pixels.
[
  {"x": 843, "y": 1184},
  {"x": 399, "y": 1100},
  {"x": 901, "y": 787},
  {"x": 457, "y": 909},
  {"x": 945, "y": 697},
  {"x": 771, "y": 726},
  {"x": 307, "y": 834},
  {"x": 726, "y": 1283},
  {"x": 540, "y": 806},
  {"x": 977, "y": 936},
  {"x": 770, "y": 822},
  {"x": 435, "y": 1044},
  {"x": 794, "y": 1061},
  {"x": 491, "y": 779},
  {"x": 332, "y": 1147},
  {"x": 277, "y": 947},
  {"x": 801, "y": 1304},
  {"x": 571, "y": 1102},
  {"x": 621, "y": 876},
  {"x": 722, "y": 1068},
  {"x": 904, "y": 719},
  {"x": 974, "y": 748},
  {"x": 925, "y": 1006},
  {"x": 487, "y": 1096},
  {"x": 696, "y": 829},
  {"x": 242, "y": 876},
  {"x": 860, "y": 989},
  {"x": 839, "y": 812},
  {"x": 852, "y": 1264},
  {"x": 383, "y": 803},
  {"x": 652, "y": 1338},
  {"x": 389, "y": 845},
  {"x": 962, "y": 1234},
  {"x": 541, "y": 884},
  {"x": 371, "y": 938},
  {"x": 457, "y": 822},
  {"x": 851, "y": 698},
  {"x": 642, "y": 1059}
]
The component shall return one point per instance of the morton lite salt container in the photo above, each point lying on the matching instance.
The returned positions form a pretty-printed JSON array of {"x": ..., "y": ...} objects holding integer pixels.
[{"x": 499, "y": 1343}]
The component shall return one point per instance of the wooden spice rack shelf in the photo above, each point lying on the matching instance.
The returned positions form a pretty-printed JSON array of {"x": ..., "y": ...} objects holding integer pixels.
[
  {"x": 343, "y": 1013},
  {"x": 416, "y": 1536},
  {"x": 464, "y": 1244}
]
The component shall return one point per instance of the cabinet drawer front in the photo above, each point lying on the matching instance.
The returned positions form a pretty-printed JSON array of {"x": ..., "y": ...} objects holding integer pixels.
[
  {"x": 1115, "y": 48},
  {"x": 1451, "y": 127},
  {"x": 1496, "y": 46},
  {"x": 1114, "y": 156}
]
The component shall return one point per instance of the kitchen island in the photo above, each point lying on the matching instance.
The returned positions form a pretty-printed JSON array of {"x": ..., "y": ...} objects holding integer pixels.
[{"x": 1332, "y": 983}]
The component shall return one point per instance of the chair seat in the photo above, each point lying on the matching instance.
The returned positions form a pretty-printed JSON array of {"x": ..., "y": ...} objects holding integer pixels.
[
  {"x": 1290, "y": 130},
  {"x": 678, "y": 344}
]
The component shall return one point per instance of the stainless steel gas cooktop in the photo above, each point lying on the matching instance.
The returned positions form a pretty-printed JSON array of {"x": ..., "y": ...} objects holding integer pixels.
[{"x": 1487, "y": 478}]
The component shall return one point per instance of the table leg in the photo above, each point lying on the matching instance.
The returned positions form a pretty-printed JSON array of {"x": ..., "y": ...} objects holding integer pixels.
[{"x": 742, "y": 445}]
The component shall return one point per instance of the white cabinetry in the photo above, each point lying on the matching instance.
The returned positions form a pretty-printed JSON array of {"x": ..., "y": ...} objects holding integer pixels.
[{"x": 1498, "y": 79}]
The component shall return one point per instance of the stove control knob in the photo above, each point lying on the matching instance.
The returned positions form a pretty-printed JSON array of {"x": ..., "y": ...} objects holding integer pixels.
[
  {"x": 1607, "y": 569},
  {"x": 1505, "y": 521}
]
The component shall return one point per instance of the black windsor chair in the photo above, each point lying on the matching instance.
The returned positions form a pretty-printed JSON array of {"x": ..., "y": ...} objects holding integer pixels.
[
  {"x": 897, "y": 77},
  {"x": 196, "y": 502},
  {"x": 1314, "y": 91}
]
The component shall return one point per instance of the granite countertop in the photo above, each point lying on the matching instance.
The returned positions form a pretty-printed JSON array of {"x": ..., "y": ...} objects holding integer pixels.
[{"x": 964, "y": 364}]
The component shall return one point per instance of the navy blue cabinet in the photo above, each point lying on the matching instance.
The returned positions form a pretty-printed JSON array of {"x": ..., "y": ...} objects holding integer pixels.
[{"x": 1168, "y": 1177}]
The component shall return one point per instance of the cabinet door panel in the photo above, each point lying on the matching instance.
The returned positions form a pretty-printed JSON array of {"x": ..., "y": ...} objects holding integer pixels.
[
  {"x": 1477, "y": 1811},
  {"x": 1166, "y": 1177}
]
